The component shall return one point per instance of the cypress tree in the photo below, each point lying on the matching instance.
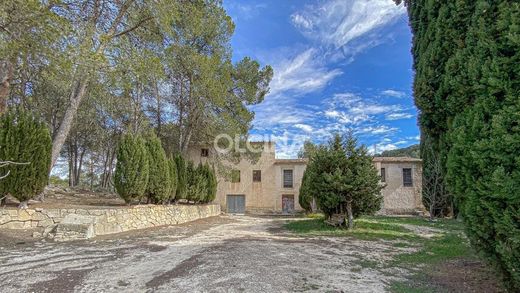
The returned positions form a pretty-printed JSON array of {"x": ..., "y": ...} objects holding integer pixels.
[
  {"x": 24, "y": 139},
  {"x": 131, "y": 174},
  {"x": 467, "y": 86},
  {"x": 173, "y": 178},
  {"x": 158, "y": 187},
  {"x": 212, "y": 184},
  {"x": 196, "y": 185},
  {"x": 180, "y": 163},
  {"x": 305, "y": 198}
]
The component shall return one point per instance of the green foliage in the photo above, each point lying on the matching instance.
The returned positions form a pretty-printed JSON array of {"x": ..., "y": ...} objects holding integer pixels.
[
  {"x": 412, "y": 151},
  {"x": 180, "y": 163},
  {"x": 24, "y": 139},
  {"x": 211, "y": 183},
  {"x": 305, "y": 197},
  {"x": 159, "y": 185},
  {"x": 342, "y": 177},
  {"x": 132, "y": 169},
  {"x": 196, "y": 183},
  {"x": 466, "y": 57},
  {"x": 174, "y": 179}
]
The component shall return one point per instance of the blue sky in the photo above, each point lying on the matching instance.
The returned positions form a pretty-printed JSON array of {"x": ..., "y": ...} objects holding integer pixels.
[{"x": 338, "y": 65}]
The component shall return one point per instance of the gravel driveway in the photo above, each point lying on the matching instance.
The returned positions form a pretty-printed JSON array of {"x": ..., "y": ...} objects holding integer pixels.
[{"x": 220, "y": 254}]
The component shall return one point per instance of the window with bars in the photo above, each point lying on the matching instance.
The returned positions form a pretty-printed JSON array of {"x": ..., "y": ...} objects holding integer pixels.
[
  {"x": 383, "y": 175},
  {"x": 257, "y": 176},
  {"x": 407, "y": 177},
  {"x": 287, "y": 178}
]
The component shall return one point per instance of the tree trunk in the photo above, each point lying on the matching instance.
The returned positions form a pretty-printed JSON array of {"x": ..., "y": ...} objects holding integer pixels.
[
  {"x": 6, "y": 74},
  {"x": 77, "y": 94},
  {"x": 350, "y": 224}
]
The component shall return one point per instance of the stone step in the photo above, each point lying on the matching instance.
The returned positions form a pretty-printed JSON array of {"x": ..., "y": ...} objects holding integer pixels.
[{"x": 75, "y": 227}]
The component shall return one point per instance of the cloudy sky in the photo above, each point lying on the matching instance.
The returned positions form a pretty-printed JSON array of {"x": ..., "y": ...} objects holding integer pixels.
[{"x": 338, "y": 65}]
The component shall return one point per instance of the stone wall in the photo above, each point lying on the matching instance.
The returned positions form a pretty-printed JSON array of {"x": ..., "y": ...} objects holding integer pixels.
[{"x": 104, "y": 221}]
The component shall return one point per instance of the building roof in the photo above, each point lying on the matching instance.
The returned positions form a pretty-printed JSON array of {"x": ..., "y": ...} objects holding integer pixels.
[
  {"x": 396, "y": 159},
  {"x": 291, "y": 161}
]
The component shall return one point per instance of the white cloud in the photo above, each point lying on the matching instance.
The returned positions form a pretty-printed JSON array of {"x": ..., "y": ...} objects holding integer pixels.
[
  {"x": 376, "y": 130},
  {"x": 393, "y": 93},
  {"x": 304, "y": 127},
  {"x": 398, "y": 116},
  {"x": 339, "y": 23},
  {"x": 303, "y": 73}
]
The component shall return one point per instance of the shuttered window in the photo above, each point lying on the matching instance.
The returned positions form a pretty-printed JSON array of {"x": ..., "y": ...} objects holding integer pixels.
[
  {"x": 407, "y": 177},
  {"x": 257, "y": 176},
  {"x": 287, "y": 178},
  {"x": 383, "y": 175}
]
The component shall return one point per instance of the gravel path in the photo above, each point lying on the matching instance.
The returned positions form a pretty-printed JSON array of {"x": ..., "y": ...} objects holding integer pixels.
[{"x": 220, "y": 254}]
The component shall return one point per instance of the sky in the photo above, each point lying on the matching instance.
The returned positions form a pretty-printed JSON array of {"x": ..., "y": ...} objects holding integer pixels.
[{"x": 339, "y": 65}]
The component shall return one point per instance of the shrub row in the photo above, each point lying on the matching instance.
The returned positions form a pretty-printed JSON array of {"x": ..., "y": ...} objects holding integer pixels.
[{"x": 143, "y": 172}]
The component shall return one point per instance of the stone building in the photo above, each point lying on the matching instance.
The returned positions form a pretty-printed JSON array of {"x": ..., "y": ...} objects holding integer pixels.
[{"x": 272, "y": 185}]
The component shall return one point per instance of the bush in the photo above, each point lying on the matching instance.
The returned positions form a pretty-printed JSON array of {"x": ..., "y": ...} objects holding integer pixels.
[
  {"x": 173, "y": 179},
  {"x": 196, "y": 183},
  {"x": 158, "y": 187},
  {"x": 305, "y": 198},
  {"x": 132, "y": 169},
  {"x": 343, "y": 179},
  {"x": 212, "y": 184},
  {"x": 180, "y": 163},
  {"x": 24, "y": 139}
]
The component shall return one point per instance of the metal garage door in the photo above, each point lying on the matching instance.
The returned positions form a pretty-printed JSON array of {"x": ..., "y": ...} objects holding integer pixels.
[{"x": 236, "y": 204}]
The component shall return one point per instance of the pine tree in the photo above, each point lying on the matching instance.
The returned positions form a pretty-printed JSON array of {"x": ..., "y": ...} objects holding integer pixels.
[
  {"x": 158, "y": 187},
  {"x": 343, "y": 179},
  {"x": 173, "y": 179},
  {"x": 25, "y": 141},
  {"x": 181, "y": 177},
  {"x": 131, "y": 175}
]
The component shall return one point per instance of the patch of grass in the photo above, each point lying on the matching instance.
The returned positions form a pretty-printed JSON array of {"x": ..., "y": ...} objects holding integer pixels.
[
  {"x": 409, "y": 288},
  {"x": 365, "y": 229}
]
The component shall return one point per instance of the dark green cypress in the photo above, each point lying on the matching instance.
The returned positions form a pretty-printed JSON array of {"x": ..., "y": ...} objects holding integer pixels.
[
  {"x": 467, "y": 88},
  {"x": 131, "y": 174},
  {"x": 158, "y": 187},
  {"x": 173, "y": 179},
  {"x": 181, "y": 177},
  {"x": 24, "y": 139},
  {"x": 212, "y": 184}
]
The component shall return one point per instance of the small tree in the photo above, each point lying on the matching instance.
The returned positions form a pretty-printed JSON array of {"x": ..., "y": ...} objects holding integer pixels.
[
  {"x": 180, "y": 163},
  {"x": 158, "y": 187},
  {"x": 131, "y": 175},
  {"x": 173, "y": 179},
  {"x": 212, "y": 184},
  {"x": 196, "y": 183},
  {"x": 434, "y": 194},
  {"x": 25, "y": 149},
  {"x": 343, "y": 179}
]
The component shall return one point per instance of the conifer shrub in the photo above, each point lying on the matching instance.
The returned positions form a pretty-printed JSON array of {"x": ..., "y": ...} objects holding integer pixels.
[
  {"x": 24, "y": 139},
  {"x": 196, "y": 184},
  {"x": 173, "y": 179},
  {"x": 180, "y": 163},
  {"x": 158, "y": 187},
  {"x": 132, "y": 169},
  {"x": 212, "y": 184}
]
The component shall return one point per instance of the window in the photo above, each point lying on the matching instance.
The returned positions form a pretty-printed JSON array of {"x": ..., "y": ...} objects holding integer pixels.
[
  {"x": 407, "y": 177},
  {"x": 257, "y": 176},
  {"x": 204, "y": 152},
  {"x": 235, "y": 176},
  {"x": 287, "y": 178},
  {"x": 383, "y": 175}
]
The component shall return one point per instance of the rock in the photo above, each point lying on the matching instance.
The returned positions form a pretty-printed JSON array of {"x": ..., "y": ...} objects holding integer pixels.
[{"x": 37, "y": 235}]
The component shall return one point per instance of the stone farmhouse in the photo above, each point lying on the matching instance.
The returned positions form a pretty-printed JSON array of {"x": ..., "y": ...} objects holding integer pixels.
[{"x": 272, "y": 185}]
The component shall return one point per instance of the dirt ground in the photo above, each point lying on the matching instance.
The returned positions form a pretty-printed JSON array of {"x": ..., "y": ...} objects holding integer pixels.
[{"x": 219, "y": 254}]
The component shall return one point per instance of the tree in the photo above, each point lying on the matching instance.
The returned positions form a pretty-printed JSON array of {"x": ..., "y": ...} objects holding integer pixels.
[
  {"x": 181, "y": 176},
  {"x": 132, "y": 169},
  {"x": 174, "y": 179},
  {"x": 343, "y": 179},
  {"x": 25, "y": 144},
  {"x": 466, "y": 58},
  {"x": 158, "y": 187},
  {"x": 412, "y": 151},
  {"x": 435, "y": 196},
  {"x": 196, "y": 183}
]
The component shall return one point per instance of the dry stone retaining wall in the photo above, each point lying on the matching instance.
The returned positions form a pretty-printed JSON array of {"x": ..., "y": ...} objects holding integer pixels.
[{"x": 85, "y": 223}]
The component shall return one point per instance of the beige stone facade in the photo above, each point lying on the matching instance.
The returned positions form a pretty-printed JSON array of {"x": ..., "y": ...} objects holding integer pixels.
[
  {"x": 400, "y": 197},
  {"x": 261, "y": 188}
]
